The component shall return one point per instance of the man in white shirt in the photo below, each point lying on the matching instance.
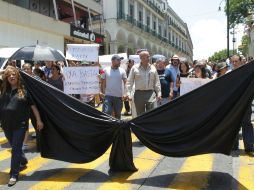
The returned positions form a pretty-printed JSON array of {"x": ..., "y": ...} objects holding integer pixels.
[{"x": 112, "y": 81}]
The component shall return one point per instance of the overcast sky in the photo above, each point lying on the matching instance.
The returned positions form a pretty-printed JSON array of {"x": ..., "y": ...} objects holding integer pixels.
[{"x": 206, "y": 24}]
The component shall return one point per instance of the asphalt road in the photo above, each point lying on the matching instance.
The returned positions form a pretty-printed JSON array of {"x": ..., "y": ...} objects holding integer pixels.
[{"x": 210, "y": 171}]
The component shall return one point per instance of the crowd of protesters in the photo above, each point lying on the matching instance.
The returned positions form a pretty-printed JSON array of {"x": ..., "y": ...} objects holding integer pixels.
[{"x": 140, "y": 87}]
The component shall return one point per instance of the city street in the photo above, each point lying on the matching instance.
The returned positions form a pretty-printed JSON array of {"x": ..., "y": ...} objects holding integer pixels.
[{"x": 211, "y": 171}]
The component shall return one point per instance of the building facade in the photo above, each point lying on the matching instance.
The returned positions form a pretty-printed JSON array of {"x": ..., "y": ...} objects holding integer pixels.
[
  {"x": 30, "y": 22},
  {"x": 144, "y": 24}
]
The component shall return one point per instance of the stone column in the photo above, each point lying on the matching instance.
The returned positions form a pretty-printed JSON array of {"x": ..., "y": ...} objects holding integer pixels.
[
  {"x": 135, "y": 10},
  {"x": 126, "y": 7},
  {"x": 144, "y": 15},
  {"x": 113, "y": 47}
]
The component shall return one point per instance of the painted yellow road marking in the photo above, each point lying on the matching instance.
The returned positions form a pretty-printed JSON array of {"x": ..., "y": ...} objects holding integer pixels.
[
  {"x": 188, "y": 176},
  {"x": 3, "y": 140},
  {"x": 33, "y": 165},
  {"x": 145, "y": 161},
  {"x": 246, "y": 171},
  {"x": 72, "y": 173},
  {"x": 5, "y": 154}
]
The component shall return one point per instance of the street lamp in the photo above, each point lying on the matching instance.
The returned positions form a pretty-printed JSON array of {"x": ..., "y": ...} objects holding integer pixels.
[{"x": 228, "y": 28}]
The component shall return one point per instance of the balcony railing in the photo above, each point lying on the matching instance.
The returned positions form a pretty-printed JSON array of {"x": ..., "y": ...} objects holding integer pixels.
[
  {"x": 154, "y": 7},
  {"x": 177, "y": 28},
  {"x": 130, "y": 19}
]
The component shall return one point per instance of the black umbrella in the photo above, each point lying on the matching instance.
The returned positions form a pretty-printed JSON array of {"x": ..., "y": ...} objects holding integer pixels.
[{"x": 37, "y": 53}]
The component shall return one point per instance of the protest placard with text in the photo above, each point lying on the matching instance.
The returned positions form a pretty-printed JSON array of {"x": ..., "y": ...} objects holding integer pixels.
[
  {"x": 82, "y": 52},
  {"x": 81, "y": 80},
  {"x": 189, "y": 84}
]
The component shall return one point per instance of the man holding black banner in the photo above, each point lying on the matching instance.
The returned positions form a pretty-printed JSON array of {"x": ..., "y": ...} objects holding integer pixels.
[
  {"x": 247, "y": 129},
  {"x": 111, "y": 86}
]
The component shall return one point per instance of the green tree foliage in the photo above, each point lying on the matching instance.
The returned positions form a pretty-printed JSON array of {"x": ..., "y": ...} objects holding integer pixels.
[
  {"x": 220, "y": 55},
  {"x": 244, "y": 46},
  {"x": 238, "y": 11}
]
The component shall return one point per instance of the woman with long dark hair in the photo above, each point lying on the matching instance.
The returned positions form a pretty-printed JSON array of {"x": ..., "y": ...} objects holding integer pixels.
[{"x": 15, "y": 111}]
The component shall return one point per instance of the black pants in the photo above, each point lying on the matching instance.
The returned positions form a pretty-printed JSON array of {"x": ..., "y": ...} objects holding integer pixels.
[
  {"x": 247, "y": 132},
  {"x": 127, "y": 106},
  {"x": 16, "y": 138}
]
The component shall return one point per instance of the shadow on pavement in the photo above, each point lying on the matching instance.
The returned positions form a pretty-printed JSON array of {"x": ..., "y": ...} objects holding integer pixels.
[{"x": 216, "y": 180}]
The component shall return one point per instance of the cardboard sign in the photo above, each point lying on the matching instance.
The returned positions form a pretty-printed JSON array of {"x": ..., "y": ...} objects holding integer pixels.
[
  {"x": 189, "y": 84},
  {"x": 82, "y": 52},
  {"x": 81, "y": 80}
]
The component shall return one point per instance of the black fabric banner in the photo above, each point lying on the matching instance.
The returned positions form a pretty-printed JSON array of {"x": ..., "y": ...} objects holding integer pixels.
[{"x": 205, "y": 120}]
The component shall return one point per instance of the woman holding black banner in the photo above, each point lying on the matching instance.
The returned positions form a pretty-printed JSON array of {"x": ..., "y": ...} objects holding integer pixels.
[{"x": 15, "y": 108}]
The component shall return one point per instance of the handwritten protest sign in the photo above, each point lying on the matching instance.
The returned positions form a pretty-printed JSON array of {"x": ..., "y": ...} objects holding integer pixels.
[
  {"x": 81, "y": 80},
  {"x": 82, "y": 52},
  {"x": 189, "y": 84},
  {"x": 135, "y": 58}
]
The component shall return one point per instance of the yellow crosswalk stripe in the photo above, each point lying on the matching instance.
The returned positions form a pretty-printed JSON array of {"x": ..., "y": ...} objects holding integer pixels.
[
  {"x": 145, "y": 161},
  {"x": 72, "y": 173},
  {"x": 188, "y": 176},
  {"x": 33, "y": 164},
  {"x": 3, "y": 140},
  {"x": 246, "y": 171},
  {"x": 5, "y": 154}
]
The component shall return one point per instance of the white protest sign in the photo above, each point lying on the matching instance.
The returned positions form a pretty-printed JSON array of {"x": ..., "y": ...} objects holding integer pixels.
[
  {"x": 135, "y": 58},
  {"x": 189, "y": 84},
  {"x": 81, "y": 80},
  {"x": 82, "y": 52},
  {"x": 105, "y": 60}
]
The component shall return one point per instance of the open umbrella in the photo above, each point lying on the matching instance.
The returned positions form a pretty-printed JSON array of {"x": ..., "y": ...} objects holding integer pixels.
[{"x": 37, "y": 53}]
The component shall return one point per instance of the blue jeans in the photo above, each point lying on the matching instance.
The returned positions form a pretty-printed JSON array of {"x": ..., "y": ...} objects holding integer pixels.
[
  {"x": 112, "y": 103},
  {"x": 16, "y": 138},
  {"x": 175, "y": 94}
]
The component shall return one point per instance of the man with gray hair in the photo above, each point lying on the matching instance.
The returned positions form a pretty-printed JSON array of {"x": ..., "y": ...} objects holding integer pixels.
[{"x": 147, "y": 84}]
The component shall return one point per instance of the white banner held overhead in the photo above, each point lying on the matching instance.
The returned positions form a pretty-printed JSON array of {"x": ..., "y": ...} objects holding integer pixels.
[
  {"x": 82, "y": 52},
  {"x": 81, "y": 80},
  {"x": 189, "y": 84}
]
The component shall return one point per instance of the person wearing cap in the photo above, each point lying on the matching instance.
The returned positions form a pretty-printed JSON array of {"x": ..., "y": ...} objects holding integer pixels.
[
  {"x": 174, "y": 70},
  {"x": 112, "y": 88},
  {"x": 222, "y": 69},
  {"x": 247, "y": 129},
  {"x": 147, "y": 84}
]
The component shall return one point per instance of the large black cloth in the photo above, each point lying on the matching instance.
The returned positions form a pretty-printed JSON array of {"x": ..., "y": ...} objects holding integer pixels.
[
  {"x": 205, "y": 120},
  {"x": 73, "y": 131}
]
